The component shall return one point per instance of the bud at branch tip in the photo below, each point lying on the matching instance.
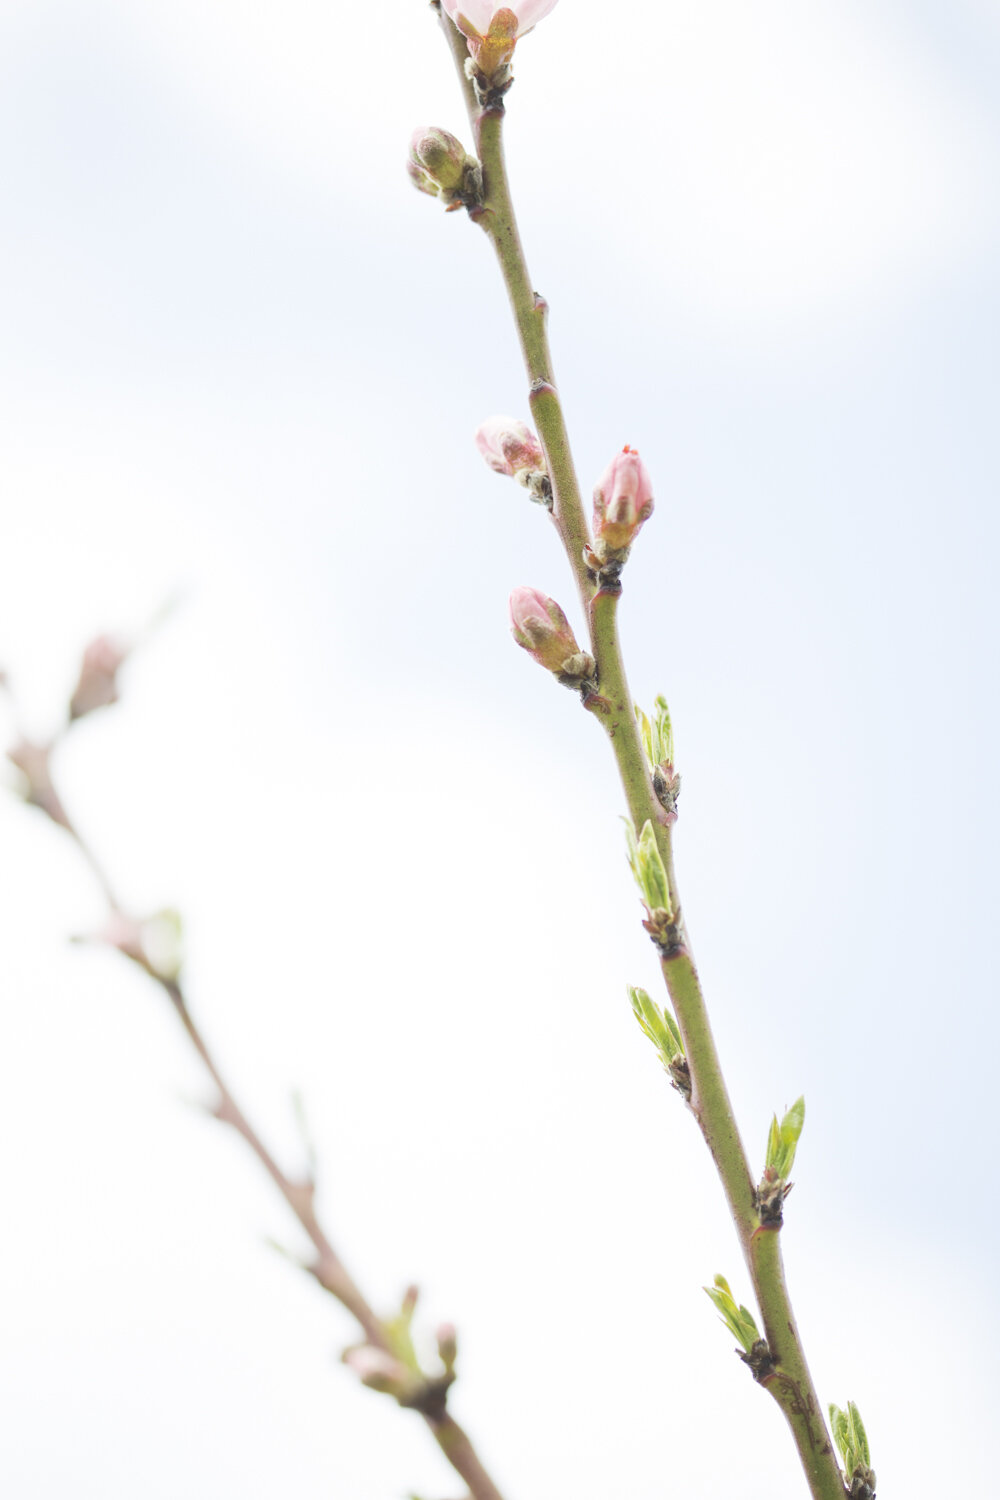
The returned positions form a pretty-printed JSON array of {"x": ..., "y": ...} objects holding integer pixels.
[
  {"x": 623, "y": 502},
  {"x": 492, "y": 32}
]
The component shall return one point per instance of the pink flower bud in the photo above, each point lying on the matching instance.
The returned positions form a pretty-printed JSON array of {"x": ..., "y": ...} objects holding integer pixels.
[
  {"x": 475, "y": 17},
  {"x": 379, "y": 1370},
  {"x": 623, "y": 500},
  {"x": 32, "y": 760},
  {"x": 539, "y": 625},
  {"x": 492, "y": 30},
  {"x": 97, "y": 686},
  {"x": 447, "y": 1342},
  {"x": 510, "y": 447}
]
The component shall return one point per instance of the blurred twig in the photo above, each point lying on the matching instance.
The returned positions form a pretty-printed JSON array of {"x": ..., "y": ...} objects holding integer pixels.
[{"x": 385, "y": 1361}]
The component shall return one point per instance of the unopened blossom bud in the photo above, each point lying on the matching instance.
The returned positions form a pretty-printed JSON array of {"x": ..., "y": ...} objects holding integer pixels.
[
  {"x": 440, "y": 165},
  {"x": 32, "y": 760},
  {"x": 539, "y": 625},
  {"x": 97, "y": 686},
  {"x": 154, "y": 943},
  {"x": 379, "y": 1370},
  {"x": 492, "y": 30},
  {"x": 447, "y": 1342},
  {"x": 510, "y": 447},
  {"x": 623, "y": 500}
]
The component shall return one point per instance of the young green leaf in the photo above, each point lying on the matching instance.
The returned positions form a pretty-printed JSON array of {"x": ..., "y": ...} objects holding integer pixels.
[
  {"x": 658, "y": 1024},
  {"x": 650, "y": 1018},
  {"x": 676, "y": 1038},
  {"x": 859, "y": 1437},
  {"x": 663, "y": 732},
  {"x": 738, "y": 1319},
  {"x": 851, "y": 1440},
  {"x": 652, "y": 875},
  {"x": 632, "y": 849},
  {"x": 645, "y": 735},
  {"x": 783, "y": 1139},
  {"x": 657, "y": 737},
  {"x": 838, "y": 1424}
]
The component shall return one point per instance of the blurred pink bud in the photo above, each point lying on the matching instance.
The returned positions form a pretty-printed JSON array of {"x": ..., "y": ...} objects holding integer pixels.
[
  {"x": 97, "y": 686},
  {"x": 510, "y": 447},
  {"x": 539, "y": 625},
  {"x": 623, "y": 500},
  {"x": 447, "y": 1342},
  {"x": 154, "y": 943},
  {"x": 379, "y": 1370},
  {"x": 124, "y": 933},
  {"x": 33, "y": 763}
]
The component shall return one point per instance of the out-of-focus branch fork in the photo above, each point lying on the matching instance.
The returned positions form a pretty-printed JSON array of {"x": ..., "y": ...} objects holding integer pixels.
[{"x": 386, "y": 1360}]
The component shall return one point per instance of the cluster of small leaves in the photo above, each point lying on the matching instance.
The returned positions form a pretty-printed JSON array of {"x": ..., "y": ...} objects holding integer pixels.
[
  {"x": 738, "y": 1319},
  {"x": 662, "y": 1030},
  {"x": 657, "y": 735},
  {"x": 647, "y": 867},
  {"x": 852, "y": 1444},
  {"x": 658, "y": 1024},
  {"x": 783, "y": 1139}
]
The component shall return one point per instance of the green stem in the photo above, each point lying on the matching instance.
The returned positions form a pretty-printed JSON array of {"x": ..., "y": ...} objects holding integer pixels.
[
  {"x": 709, "y": 1098},
  {"x": 496, "y": 217},
  {"x": 790, "y": 1383}
]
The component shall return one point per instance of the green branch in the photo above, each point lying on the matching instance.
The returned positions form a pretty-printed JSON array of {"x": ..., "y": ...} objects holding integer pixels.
[
  {"x": 495, "y": 215},
  {"x": 781, "y": 1367}
]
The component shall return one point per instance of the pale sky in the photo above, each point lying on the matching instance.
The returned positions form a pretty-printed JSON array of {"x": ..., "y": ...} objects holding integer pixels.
[{"x": 243, "y": 361}]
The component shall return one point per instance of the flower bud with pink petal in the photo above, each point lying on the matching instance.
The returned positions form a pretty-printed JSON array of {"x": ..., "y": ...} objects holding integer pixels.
[
  {"x": 492, "y": 32},
  {"x": 381, "y": 1371},
  {"x": 510, "y": 447},
  {"x": 623, "y": 501},
  {"x": 541, "y": 628}
]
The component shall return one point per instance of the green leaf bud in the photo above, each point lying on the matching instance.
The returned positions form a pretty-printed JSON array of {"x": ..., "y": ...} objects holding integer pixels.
[
  {"x": 651, "y": 874},
  {"x": 851, "y": 1440},
  {"x": 738, "y": 1319},
  {"x": 440, "y": 165},
  {"x": 783, "y": 1139}
]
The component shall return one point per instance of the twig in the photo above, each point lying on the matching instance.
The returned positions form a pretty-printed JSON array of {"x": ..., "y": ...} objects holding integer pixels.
[
  {"x": 789, "y": 1381},
  {"x": 34, "y": 762}
]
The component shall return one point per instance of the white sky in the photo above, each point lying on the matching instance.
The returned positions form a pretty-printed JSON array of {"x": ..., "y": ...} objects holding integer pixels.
[{"x": 241, "y": 358}]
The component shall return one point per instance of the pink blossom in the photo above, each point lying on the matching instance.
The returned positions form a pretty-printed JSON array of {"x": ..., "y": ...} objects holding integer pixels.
[
  {"x": 623, "y": 500},
  {"x": 509, "y": 447},
  {"x": 474, "y": 18}
]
